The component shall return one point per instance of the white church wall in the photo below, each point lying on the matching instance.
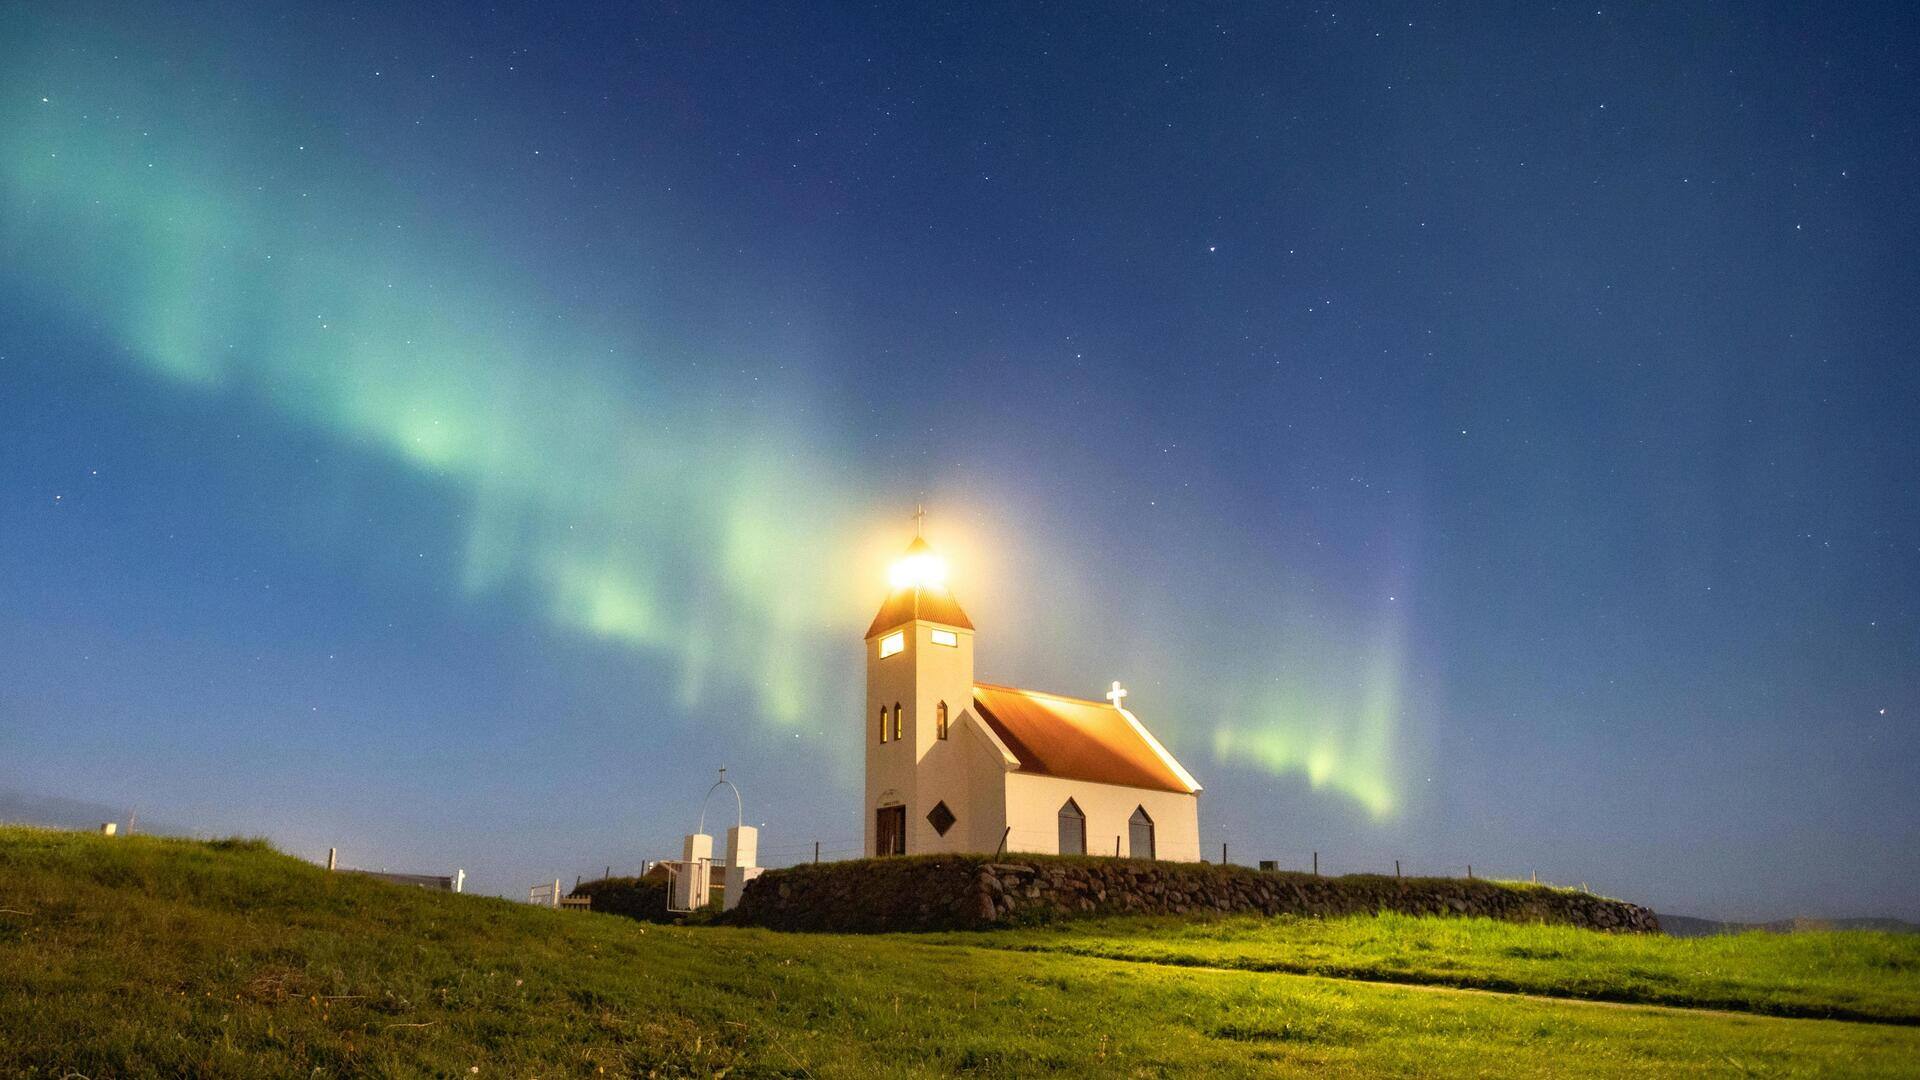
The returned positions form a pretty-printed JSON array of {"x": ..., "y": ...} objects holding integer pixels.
[
  {"x": 1033, "y": 810},
  {"x": 967, "y": 772}
]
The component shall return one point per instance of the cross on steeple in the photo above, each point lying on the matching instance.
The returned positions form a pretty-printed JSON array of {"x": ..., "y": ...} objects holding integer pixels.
[{"x": 1117, "y": 694}]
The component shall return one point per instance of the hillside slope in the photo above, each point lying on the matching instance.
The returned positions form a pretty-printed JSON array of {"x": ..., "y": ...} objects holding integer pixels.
[{"x": 148, "y": 957}]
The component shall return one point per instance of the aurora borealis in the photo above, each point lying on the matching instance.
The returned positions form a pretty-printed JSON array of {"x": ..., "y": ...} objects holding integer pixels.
[{"x": 516, "y": 413}]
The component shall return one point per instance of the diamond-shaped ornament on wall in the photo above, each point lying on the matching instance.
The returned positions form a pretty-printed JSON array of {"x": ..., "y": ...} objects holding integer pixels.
[{"x": 941, "y": 818}]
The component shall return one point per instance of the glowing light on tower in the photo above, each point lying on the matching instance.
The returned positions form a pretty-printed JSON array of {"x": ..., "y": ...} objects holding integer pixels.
[{"x": 919, "y": 569}]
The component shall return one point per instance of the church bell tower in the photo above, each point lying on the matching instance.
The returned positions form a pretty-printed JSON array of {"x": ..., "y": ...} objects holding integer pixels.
[{"x": 919, "y": 682}]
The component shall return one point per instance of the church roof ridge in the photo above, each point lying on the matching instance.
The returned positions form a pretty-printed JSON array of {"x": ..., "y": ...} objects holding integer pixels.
[{"x": 1045, "y": 694}]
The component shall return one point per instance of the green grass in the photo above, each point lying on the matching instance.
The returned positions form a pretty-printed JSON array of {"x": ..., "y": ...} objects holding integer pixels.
[
  {"x": 1848, "y": 974},
  {"x": 146, "y": 957}
]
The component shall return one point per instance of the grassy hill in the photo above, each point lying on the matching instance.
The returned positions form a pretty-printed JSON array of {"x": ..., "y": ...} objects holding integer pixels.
[{"x": 140, "y": 956}]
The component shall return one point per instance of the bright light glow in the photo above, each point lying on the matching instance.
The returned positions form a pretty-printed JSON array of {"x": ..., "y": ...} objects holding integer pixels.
[
  {"x": 946, "y": 637},
  {"x": 924, "y": 570},
  {"x": 892, "y": 643}
]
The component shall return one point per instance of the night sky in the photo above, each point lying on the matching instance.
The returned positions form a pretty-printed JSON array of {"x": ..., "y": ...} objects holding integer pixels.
[{"x": 1472, "y": 437}]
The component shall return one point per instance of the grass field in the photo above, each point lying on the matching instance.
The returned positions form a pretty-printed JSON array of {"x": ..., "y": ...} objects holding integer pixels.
[
  {"x": 140, "y": 957},
  {"x": 1846, "y": 974}
]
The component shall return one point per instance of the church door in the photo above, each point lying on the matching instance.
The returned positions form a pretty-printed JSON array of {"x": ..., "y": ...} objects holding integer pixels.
[
  {"x": 890, "y": 831},
  {"x": 1073, "y": 829}
]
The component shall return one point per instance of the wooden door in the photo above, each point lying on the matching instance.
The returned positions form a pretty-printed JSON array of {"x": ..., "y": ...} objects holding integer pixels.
[{"x": 890, "y": 831}]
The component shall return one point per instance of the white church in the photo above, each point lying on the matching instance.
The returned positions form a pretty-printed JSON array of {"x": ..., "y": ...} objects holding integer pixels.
[{"x": 955, "y": 765}]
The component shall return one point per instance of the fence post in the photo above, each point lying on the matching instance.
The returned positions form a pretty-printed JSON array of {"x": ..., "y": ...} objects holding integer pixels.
[
  {"x": 816, "y": 852},
  {"x": 1396, "y": 869},
  {"x": 1223, "y": 853},
  {"x": 333, "y": 858},
  {"x": 1316, "y": 864},
  {"x": 1469, "y": 871},
  {"x": 556, "y": 892},
  {"x": 1116, "y": 847}
]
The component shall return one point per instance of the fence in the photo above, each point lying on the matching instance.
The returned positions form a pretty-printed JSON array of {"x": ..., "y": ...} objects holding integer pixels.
[
  {"x": 1019, "y": 840},
  {"x": 1027, "y": 840},
  {"x": 549, "y": 894}
]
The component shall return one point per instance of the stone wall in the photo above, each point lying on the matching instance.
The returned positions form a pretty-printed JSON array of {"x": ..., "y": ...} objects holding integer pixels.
[{"x": 935, "y": 892}]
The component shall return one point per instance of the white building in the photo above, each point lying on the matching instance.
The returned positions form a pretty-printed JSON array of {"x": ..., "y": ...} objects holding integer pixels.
[{"x": 958, "y": 765}]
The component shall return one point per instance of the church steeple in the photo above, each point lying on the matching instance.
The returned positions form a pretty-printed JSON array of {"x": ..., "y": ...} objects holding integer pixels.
[
  {"x": 919, "y": 590},
  {"x": 919, "y": 687}
]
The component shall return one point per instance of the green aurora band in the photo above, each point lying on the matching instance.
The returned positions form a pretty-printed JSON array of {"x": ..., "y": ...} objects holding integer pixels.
[{"x": 690, "y": 526}]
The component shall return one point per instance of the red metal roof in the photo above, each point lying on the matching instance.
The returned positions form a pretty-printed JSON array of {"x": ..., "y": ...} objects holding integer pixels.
[
  {"x": 905, "y": 605},
  {"x": 1074, "y": 739}
]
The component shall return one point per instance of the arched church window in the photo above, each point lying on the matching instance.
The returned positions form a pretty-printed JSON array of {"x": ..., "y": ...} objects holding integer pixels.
[
  {"x": 940, "y": 720},
  {"x": 896, "y": 720},
  {"x": 1073, "y": 829},
  {"x": 1140, "y": 834},
  {"x": 883, "y": 723}
]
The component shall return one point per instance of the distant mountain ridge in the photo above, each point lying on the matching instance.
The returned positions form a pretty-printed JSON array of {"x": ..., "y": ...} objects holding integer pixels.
[{"x": 1688, "y": 926}]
